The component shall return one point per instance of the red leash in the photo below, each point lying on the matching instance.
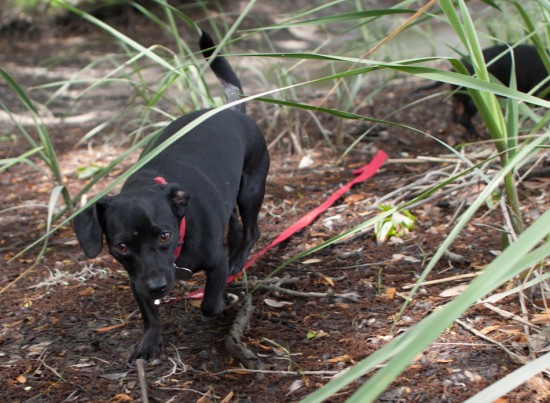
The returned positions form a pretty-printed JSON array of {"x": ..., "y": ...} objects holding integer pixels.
[{"x": 363, "y": 173}]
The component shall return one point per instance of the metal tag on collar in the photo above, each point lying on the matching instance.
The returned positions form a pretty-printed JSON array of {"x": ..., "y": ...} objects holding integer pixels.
[{"x": 183, "y": 273}]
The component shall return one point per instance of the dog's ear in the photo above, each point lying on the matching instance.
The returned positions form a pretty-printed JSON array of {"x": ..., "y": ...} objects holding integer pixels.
[
  {"x": 89, "y": 229},
  {"x": 178, "y": 199}
]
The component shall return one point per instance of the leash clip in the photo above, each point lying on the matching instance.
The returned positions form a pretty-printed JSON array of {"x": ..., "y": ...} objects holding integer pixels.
[{"x": 183, "y": 273}]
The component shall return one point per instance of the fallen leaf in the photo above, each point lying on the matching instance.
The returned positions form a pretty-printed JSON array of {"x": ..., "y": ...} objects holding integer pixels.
[
  {"x": 327, "y": 280},
  {"x": 316, "y": 334},
  {"x": 489, "y": 329},
  {"x": 108, "y": 328},
  {"x": 305, "y": 162},
  {"x": 294, "y": 386},
  {"x": 37, "y": 349},
  {"x": 195, "y": 303},
  {"x": 228, "y": 398},
  {"x": 86, "y": 292},
  {"x": 541, "y": 318},
  {"x": 390, "y": 293},
  {"x": 453, "y": 291},
  {"x": 342, "y": 358},
  {"x": 410, "y": 259},
  {"x": 121, "y": 398},
  {"x": 207, "y": 396},
  {"x": 276, "y": 304},
  {"x": 354, "y": 198},
  {"x": 311, "y": 261},
  {"x": 511, "y": 329}
]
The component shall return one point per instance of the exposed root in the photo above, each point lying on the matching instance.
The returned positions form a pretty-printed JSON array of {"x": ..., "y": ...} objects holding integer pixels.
[{"x": 233, "y": 342}]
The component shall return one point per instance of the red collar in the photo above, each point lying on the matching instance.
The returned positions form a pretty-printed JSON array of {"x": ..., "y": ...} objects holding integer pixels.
[{"x": 161, "y": 181}]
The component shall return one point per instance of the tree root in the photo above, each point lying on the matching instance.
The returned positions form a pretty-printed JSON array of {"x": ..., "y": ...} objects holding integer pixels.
[{"x": 233, "y": 342}]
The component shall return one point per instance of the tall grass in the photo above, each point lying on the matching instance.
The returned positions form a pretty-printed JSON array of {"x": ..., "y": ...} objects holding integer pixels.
[{"x": 527, "y": 245}]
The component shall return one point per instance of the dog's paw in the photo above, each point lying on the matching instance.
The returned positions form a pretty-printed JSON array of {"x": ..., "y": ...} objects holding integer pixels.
[
  {"x": 149, "y": 348},
  {"x": 212, "y": 308}
]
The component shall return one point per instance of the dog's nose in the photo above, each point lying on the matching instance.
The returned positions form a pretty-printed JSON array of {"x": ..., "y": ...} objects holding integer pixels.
[{"x": 157, "y": 288}]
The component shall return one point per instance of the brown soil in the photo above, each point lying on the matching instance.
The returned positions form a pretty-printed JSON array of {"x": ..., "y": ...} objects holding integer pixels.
[{"x": 69, "y": 325}]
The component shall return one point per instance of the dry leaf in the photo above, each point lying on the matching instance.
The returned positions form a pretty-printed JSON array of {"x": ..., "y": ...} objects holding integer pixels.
[
  {"x": 121, "y": 398},
  {"x": 511, "y": 329},
  {"x": 294, "y": 386},
  {"x": 410, "y": 259},
  {"x": 276, "y": 304},
  {"x": 327, "y": 280},
  {"x": 86, "y": 292},
  {"x": 453, "y": 291},
  {"x": 354, "y": 198},
  {"x": 342, "y": 358},
  {"x": 489, "y": 329},
  {"x": 195, "y": 303},
  {"x": 311, "y": 261},
  {"x": 541, "y": 318},
  {"x": 390, "y": 292},
  {"x": 305, "y": 162},
  {"x": 109, "y": 328},
  {"x": 228, "y": 398},
  {"x": 37, "y": 349},
  {"x": 207, "y": 396}
]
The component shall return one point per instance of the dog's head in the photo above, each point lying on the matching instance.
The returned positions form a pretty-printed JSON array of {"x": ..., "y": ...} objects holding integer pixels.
[{"x": 141, "y": 230}]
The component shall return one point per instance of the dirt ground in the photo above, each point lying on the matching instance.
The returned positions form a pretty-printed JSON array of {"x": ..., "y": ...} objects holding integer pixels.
[{"x": 69, "y": 324}]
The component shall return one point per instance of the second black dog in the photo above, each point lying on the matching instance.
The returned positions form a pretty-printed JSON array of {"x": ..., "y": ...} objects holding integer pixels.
[
  {"x": 213, "y": 177},
  {"x": 529, "y": 72}
]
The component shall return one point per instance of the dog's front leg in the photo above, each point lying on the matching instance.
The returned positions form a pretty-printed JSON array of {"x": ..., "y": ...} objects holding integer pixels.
[
  {"x": 216, "y": 277},
  {"x": 151, "y": 343}
]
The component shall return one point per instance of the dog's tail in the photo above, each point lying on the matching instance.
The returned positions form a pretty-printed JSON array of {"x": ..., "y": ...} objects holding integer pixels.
[{"x": 222, "y": 69}]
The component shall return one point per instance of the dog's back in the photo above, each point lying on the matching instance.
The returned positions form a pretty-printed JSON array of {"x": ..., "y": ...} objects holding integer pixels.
[{"x": 527, "y": 64}]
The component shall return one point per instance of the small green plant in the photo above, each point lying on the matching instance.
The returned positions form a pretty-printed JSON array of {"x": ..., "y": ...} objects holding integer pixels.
[{"x": 398, "y": 224}]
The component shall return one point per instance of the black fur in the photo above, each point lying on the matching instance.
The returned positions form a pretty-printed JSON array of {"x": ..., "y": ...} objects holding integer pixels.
[
  {"x": 216, "y": 177},
  {"x": 529, "y": 72}
]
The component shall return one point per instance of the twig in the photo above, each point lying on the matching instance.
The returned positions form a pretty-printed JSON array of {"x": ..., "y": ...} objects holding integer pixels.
[
  {"x": 441, "y": 280},
  {"x": 208, "y": 393},
  {"x": 519, "y": 359},
  {"x": 142, "y": 379},
  {"x": 262, "y": 282},
  {"x": 353, "y": 296},
  {"x": 53, "y": 370},
  {"x": 233, "y": 342},
  {"x": 509, "y": 315},
  {"x": 273, "y": 372}
]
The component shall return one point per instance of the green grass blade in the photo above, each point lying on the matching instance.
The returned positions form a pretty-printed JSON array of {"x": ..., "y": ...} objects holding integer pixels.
[
  {"x": 403, "y": 349},
  {"x": 512, "y": 380},
  {"x": 7, "y": 163}
]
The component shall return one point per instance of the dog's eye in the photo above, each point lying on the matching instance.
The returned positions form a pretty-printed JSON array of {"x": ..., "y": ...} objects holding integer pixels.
[
  {"x": 165, "y": 237},
  {"x": 121, "y": 247}
]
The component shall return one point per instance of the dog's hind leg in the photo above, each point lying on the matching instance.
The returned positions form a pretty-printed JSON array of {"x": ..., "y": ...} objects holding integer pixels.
[
  {"x": 234, "y": 237},
  {"x": 249, "y": 200}
]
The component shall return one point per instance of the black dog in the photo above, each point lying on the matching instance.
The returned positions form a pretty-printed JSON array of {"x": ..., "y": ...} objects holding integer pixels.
[
  {"x": 213, "y": 175},
  {"x": 529, "y": 71}
]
